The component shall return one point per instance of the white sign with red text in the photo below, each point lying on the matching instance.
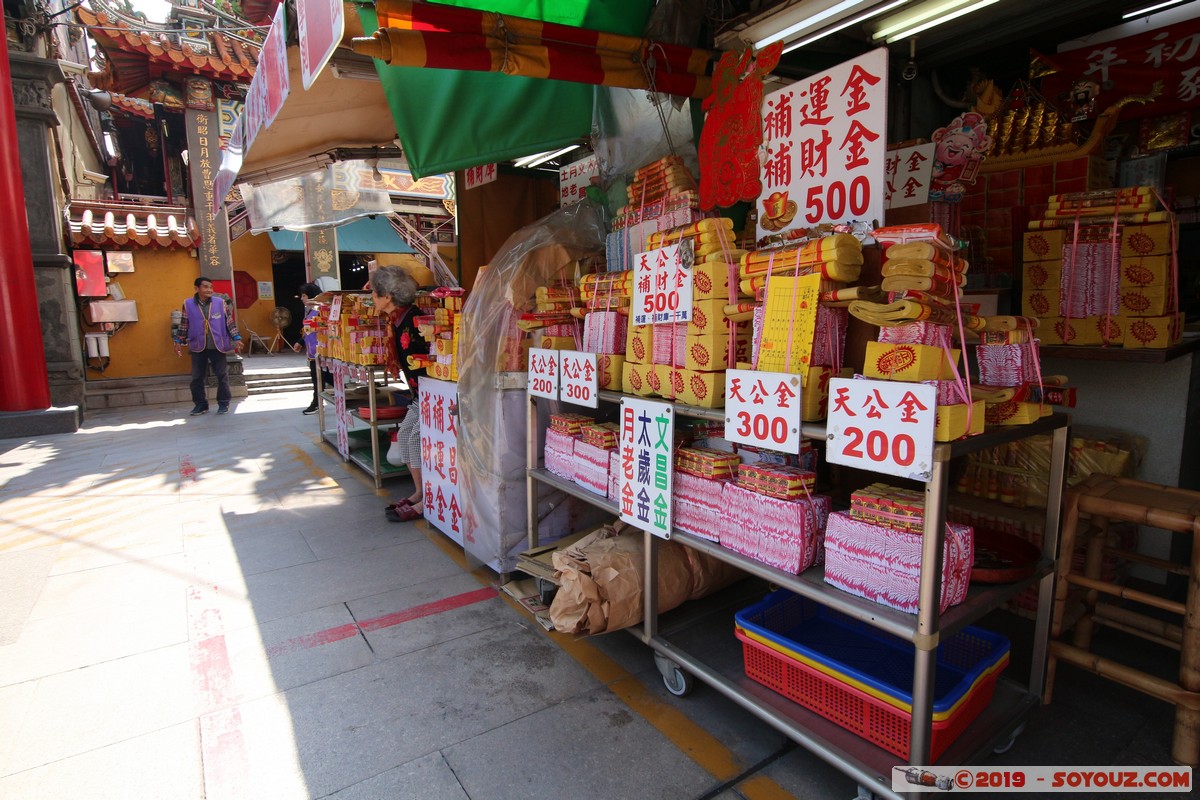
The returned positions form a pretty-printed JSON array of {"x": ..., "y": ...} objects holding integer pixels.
[
  {"x": 882, "y": 426},
  {"x": 579, "y": 381},
  {"x": 270, "y": 86},
  {"x": 439, "y": 456},
  {"x": 908, "y": 172},
  {"x": 321, "y": 24},
  {"x": 762, "y": 409},
  {"x": 575, "y": 178},
  {"x": 644, "y": 483},
  {"x": 826, "y": 147},
  {"x": 662, "y": 285},
  {"x": 543, "y": 373},
  {"x": 478, "y": 176}
]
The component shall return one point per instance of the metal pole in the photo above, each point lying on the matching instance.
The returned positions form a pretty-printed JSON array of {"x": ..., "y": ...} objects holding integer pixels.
[
  {"x": 22, "y": 357},
  {"x": 531, "y": 462},
  {"x": 928, "y": 610}
]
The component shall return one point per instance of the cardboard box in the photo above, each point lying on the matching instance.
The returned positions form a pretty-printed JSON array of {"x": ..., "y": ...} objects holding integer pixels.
[
  {"x": 782, "y": 533},
  {"x": 1081, "y": 332},
  {"x": 1040, "y": 303},
  {"x": 710, "y": 281},
  {"x": 708, "y": 316},
  {"x": 610, "y": 371},
  {"x": 908, "y": 362},
  {"x": 639, "y": 344},
  {"x": 1145, "y": 240},
  {"x": 1150, "y": 332},
  {"x": 1043, "y": 245},
  {"x": 707, "y": 353},
  {"x": 1145, "y": 271},
  {"x": 884, "y": 564},
  {"x": 703, "y": 389},
  {"x": 952, "y": 423},
  {"x": 1149, "y": 301},
  {"x": 633, "y": 379},
  {"x": 1041, "y": 275}
]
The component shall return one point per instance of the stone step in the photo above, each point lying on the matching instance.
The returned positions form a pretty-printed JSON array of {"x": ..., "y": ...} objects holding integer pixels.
[
  {"x": 280, "y": 388},
  {"x": 278, "y": 378}
]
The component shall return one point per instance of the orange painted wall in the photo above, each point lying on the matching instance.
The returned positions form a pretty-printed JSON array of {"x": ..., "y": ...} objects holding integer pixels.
[{"x": 252, "y": 254}]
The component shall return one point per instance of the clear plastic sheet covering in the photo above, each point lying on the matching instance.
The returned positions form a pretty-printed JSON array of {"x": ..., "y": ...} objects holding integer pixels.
[
  {"x": 628, "y": 132},
  {"x": 319, "y": 199},
  {"x": 493, "y": 418}
]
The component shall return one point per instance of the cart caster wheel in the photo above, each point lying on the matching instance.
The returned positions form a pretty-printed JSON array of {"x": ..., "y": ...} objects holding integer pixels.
[
  {"x": 1012, "y": 739},
  {"x": 546, "y": 591},
  {"x": 678, "y": 682}
]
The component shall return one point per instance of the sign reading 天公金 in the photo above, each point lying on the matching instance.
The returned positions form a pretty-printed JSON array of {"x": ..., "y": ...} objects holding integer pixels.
[
  {"x": 762, "y": 409},
  {"x": 580, "y": 380},
  {"x": 439, "y": 456},
  {"x": 908, "y": 172},
  {"x": 644, "y": 483},
  {"x": 882, "y": 426},
  {"x": 543, "y": 373},
  {"x": 826, "y": 142}
]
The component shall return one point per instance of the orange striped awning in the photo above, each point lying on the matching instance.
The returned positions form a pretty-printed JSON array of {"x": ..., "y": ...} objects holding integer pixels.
[
  {"x": 124, "y": 226},
  {"x": 418, "y": 34}
]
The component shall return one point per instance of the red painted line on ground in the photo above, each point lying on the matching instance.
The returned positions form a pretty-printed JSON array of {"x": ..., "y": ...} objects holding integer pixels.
[
  {"x": 187, "y": 470},
  {"x": 350, "y": 629}
]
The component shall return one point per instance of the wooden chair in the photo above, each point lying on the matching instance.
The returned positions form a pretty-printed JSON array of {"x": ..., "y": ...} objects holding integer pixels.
[{"x": 1104, "y": 500}]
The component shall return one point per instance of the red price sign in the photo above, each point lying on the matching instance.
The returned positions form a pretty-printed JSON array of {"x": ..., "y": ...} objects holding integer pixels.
[
  {"x": 763, "y": 409},
  {"x": 882, "y": 426},
  {"x": 580, "y": 378},
  {"x": 543, "y": 373}
]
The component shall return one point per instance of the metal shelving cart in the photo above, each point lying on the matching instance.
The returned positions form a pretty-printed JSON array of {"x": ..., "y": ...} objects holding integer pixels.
[
  {"x": 703, "y": 645},
  {"x": 366, "y": 454}
]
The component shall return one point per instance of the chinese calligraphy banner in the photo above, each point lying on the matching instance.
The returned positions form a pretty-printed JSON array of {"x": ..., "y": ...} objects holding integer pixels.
[
  {"x": 826, "y": 142},
  {"x": 580, "y": 381},
  {"x": 644, "y": 481},
  {"x": 662, "y": 285},
  {"x": 478, "y": 176},
  {"x": 204, "y": 156},
  {"x": 543, "y": 373},
  {"x": 908, "y": 172},
  {"x": 439, "y": 456},
  {"x": 882, "y": 426},
  {"x": 1131, "y": 66},
  {"x": 762, "y": 409},
  {"x": 574, "y": 179}
]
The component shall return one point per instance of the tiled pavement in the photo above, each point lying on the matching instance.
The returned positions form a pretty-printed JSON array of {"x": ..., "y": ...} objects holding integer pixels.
[{"x": 214, "y": 607}]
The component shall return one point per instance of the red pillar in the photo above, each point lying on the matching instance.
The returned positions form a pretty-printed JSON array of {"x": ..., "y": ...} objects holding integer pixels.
[{"x": 25, "y": 385}]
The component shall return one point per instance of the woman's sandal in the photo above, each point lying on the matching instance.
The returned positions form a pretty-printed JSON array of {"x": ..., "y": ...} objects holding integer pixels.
[{"x": 405, "y": 514}]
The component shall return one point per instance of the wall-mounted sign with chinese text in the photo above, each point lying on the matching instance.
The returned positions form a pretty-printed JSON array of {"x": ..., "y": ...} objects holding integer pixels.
[
  {"x": 543, "y": 373},
  {"x": 662, "y": 285},
  {"x": 574, "y": 179},
  {"x": 762, "y": 409},
  {"x": 579, "y": 380},
  {"x": 908, "y": 172},
  {"x": 882, "y": 426},
  {"x": 204, "y": 158},
  {"x": 826, "y": 143},
  {"x": 478, "y": 176},
  {"x": 644, "y": 483}
]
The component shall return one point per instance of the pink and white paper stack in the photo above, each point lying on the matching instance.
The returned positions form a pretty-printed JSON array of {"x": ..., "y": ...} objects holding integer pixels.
[
  {"x": 604, "y": 332},
  {"x": 591, "y": 467},
  {"x": 1006, "y": 364},
  {"x": 829, "y": 338},
  {"x": 1090, "y": 282},
  {"x": 930, "y": 333},
  {"x": 698, "y": 508},
  {"x": 884, "y": 564},
  {"x": 614, "y": 472},
  {"x": 667, "y": 337},
  {"x": 780, "y": 533},
  {"x": 560, "y": 453}
]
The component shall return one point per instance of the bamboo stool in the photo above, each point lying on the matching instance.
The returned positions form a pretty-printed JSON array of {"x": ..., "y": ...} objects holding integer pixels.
[{"x": 1106, "y": 499}]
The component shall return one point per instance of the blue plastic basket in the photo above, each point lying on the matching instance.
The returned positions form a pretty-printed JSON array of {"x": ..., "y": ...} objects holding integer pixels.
[{"x": 883, "y": 664}]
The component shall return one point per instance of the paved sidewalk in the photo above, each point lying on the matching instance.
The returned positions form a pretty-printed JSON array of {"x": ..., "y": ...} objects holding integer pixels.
[{"x": 214, "y": 607}]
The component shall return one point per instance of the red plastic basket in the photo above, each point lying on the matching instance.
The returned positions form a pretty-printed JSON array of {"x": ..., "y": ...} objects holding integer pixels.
[{"x": 853, "y": 709}]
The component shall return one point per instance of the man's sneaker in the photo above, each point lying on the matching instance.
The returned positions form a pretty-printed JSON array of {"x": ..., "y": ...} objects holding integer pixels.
[
  {"x": 223, "y": 408},
  {"x": 312, "y": 408},
  {"x": 198, "y": 410}
]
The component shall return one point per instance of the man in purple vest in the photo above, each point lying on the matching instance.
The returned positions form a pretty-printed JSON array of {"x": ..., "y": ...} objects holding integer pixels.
[{"x": 209, "y": 333}]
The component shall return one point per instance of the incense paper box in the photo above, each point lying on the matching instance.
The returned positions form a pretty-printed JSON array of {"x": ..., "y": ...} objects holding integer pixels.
[
  {"x": 1148, "y": 301},
  {"x": 1150, "y": 332},
  {"x": 609, "y": 371},
  {"x": 557, "y": 343},
  {"x": 1012, "y": 412},
  {"x": 908, "y": 362},
  {"x": 710, "y": 281},
  {"x": 951, "y": 421},
  {"x": 1041, "y": 303},
  {"x": 1145, "y": 271},
  {"x": 776, "y": 480},
  {"x": 704, "y": 389},
  {"x": 1041, "y": 275},
  {"x": 781, "y": 533},
  {"x": 1145, "y": 240},
  {"x": 1043, "y": 245},
  {"x": 708, "y": 316},
  {"x": 639, "y": 344},
  {"x": 633, "y": 379},
  {"x": 706, "y": 353}
]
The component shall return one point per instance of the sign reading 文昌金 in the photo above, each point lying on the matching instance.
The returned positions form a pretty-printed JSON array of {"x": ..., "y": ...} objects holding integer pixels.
[
  {"x": 826, "y": 142},
  {"x": 662, "y": 285},
  {"x": 762, "y": 409},
  {"x": 908, "y": 172},
  {"x": 644, "y": 484},
  {"x": 580, "y": 382},
  {"x": 439, "y": 456},
  {"x": 543, "y": 373},
  {"x": 882, "y": 426}
]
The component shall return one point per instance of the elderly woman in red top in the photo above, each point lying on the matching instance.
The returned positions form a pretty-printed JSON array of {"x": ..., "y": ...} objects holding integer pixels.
[{"x": 394, "y": 291}]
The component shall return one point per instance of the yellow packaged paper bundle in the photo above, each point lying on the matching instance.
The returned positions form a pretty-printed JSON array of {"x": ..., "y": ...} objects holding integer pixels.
[
  {"x": 601, "y": 434},
  {"x": 1016, "y": 413},
  {"x": 789, "y": 323},
  {"x": 707, "y": 352},
  {"x": 1150, "y": 332},
  {"x": 1040, "y": 303},
  {"x": 569, "y": 423},
  {"x": 1143, "y": 271},
  {"x": 639, "y": 344},
  {"x": 1148, "y": 301},
  {"x": 1043, "y": 245},
  {"x": 951, "y": 421},
  {"x": 557, "y": 343},
  {"x": 633, "y": 379},
  {"x": 710, "y": 281},
  {"x": 610, "y": 371},
  {"x": 837, "y": 257},
  {"x": 1045, "y": 275},
  {"x": 908, "y": 362},
  {"x": 703, "y": 389},
  {"x": 1145, "y": 240},
  {"x": 704, "y": 462}
]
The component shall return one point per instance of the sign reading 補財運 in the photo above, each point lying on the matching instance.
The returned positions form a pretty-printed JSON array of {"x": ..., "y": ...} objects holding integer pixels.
[
  {"x": 644, "y": 483},
  {"x": 826, "y": 143},
  {"x": 204, "y": 157}
]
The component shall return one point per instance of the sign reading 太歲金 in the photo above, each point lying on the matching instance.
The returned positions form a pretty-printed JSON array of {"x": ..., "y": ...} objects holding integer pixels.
[
  {"x": 882, "y": 426},
  {"x": 762, "y": 409},
  {"x": 826, "y": 143},
  {"x": 662, "y": 285},
  {"x": 644, "y": 483}
]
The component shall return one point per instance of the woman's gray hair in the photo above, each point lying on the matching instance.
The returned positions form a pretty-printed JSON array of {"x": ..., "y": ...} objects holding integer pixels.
[{"x": 394, "y": 282}]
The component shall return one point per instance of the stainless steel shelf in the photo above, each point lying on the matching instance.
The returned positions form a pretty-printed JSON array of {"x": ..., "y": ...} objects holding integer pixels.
[{"x": 376, "y": 466}]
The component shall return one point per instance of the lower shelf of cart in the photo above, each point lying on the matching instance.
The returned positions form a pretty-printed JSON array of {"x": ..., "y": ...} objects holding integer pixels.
[
  {"x": 361, "y": 455},
  {"x": 980, "y": 600},
  {"x": 712, "y": 655}
]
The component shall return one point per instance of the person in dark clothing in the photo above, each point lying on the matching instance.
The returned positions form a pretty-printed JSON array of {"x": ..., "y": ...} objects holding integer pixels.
[
  {"x": 308, "y": 296},
  {"x": 208, "y": 330}
]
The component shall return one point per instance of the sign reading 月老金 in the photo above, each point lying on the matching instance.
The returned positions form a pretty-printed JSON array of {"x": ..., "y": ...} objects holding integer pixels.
[
  {"x": 826, "y": 143},
  {"x": 644, "y": 483}
]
